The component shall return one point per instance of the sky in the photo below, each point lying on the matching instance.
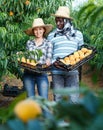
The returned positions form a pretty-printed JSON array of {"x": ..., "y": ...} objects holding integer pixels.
[{"x": 77, "y": 3}]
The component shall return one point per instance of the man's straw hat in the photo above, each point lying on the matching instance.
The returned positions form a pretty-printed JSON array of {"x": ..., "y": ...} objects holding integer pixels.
[
  {"x": 38, "y": 22},
  {"x": 63, "y": 12}
]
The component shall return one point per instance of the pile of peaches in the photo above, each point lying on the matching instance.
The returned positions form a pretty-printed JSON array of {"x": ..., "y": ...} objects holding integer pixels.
[
  {"x": 76, "y": 56},
  {"x": 27, "y": 61}
]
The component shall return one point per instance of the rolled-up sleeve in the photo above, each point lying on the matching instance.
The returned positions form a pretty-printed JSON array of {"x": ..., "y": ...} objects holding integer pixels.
[{"x": 80, "y": 39}]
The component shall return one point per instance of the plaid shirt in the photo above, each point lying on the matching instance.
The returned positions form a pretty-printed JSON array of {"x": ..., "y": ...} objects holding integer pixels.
[{"x": 46, "y": 48}]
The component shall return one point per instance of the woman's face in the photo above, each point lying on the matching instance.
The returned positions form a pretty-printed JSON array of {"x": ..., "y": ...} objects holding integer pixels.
[
  {"x": 39, "y": 32},
  {"x": 59, "y": 22}
]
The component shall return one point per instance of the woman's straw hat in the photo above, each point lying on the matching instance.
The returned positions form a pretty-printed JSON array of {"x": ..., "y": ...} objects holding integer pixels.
[
  {"x": 63, "y": 12},
  {"x": 38, "y": 22}
]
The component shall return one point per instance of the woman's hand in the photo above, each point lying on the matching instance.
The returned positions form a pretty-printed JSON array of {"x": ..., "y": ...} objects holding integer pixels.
[{"x": 48, "y": 62}]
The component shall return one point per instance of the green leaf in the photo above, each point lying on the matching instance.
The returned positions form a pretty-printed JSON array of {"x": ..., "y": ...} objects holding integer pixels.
[
  {"x": 4, "y": 127},
  {"x": 90, "y": 102},
  {"x": 95, "y": 14},
  {"x": 97, "y": 124},
  {"x": 35, "y": 125},
  {"x": 16, "y": 124}
]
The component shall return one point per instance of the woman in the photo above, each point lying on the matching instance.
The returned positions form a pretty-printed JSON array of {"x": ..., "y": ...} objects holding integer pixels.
[{"x": 30, "y": 79}]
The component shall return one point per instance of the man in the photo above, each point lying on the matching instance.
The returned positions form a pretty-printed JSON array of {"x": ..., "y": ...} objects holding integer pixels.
[{"x": 65, "y": 40}]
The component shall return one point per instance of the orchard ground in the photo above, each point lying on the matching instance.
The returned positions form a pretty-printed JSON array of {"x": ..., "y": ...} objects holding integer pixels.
[{"x": 86, "y": 80}]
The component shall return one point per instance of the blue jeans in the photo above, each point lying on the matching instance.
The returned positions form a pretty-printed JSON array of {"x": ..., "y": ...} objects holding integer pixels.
[
  {"x": 66, "y": 81},
  {"x": 30, "y": 79}
]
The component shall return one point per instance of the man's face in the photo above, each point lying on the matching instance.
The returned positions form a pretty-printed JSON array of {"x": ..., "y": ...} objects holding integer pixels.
[{"x": 59, "y": 22}]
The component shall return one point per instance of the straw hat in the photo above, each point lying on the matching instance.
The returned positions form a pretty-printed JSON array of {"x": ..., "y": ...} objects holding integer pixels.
[
  {"x": 63, "y": 12},
  {"x": 38, "y": 22}
]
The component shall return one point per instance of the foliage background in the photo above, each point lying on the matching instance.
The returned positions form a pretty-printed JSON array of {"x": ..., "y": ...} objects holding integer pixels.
[
  {"x": 90, "y": 21},
  {"x": 17, "y": 15}
]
